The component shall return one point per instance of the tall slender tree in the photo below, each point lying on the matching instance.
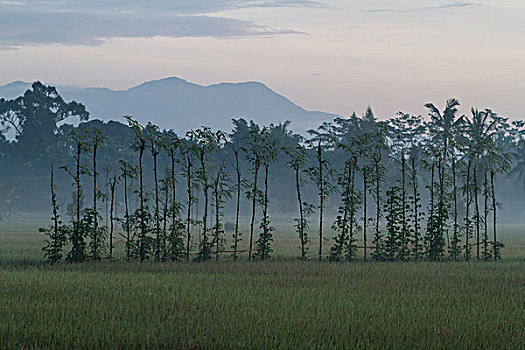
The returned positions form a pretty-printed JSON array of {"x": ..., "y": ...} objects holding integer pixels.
[
  {"x": 77, "y": 237},
  {"x": 298, "y": 157},
  {"x": 253, "y": 153},
  {"x": 56, "y": 233},
  {"x": 139, "y": 145},
  {"x": 268, "y": 157}
]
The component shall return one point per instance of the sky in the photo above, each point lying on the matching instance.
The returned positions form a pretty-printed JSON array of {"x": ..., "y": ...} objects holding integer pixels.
[{"x": 336, "y": 56}]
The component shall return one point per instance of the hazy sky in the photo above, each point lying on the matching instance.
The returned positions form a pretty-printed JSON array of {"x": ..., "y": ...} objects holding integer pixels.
[{"x": 335, "y": 56}]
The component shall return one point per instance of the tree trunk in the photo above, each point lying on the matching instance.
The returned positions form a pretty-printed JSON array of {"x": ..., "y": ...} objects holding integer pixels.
[
  {"x": 128, "y": 237},
  {"x": 238, "y": 205},
  {"x": 155, "y": 153},
  {"x": 254, "y": 204},
  {"x": 467, "y": 219},
  {"x": 441, "y": 214},
  {"x": 79, "y": 189},
  {"x": 173, "y": 193},
  {"x": 217, "y": 212},
  {"x": 477, "y": 210},
  {"x": 112, "y": 188},
  {"x": 95, "y": 192},
  {"x": 321, "y": 199},
  {"x": 432, "y": 234},
  {"x": 190, "y": 199},
  {"x": 56, "y": 242},
  {"x": 301, "y": 216},
  {"x": 497, "y": 255},
  {"x": 205, "y": 215},
  {"x": 165, "y": 211},
  {"x": 378, "y": 205},
  {"x": 416, "y": 218},
  {"x": 265, "y": 253},
  {"x": 352, "y": 206},
  {"x": 364, "y": 210},
  {"x": 404, "y": 244},
  {"x": 455, "y": 189},
  {"x": 485, "y": 216},
  {"x": 142, "y": 243}
]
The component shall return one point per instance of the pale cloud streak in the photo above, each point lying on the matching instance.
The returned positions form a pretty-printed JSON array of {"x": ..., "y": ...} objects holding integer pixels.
[
  {"x": 93, "y": 23},
  {"x": 445, "y": 6}
]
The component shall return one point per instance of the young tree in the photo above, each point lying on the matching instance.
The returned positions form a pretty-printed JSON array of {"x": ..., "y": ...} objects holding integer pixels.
[
  {"x": 321, "y": 174},
  {"x": 393, "y": 240},
  {"x": 97, "y": 233},
  {"x": 56, "y": 233},
  {"x": 269, "y": 153},
  {"x": 112, "y": 185},
  {"x": 221, "y": 192},
  {"x": 341, "y": 223},
  {"x": 379, "y": 147},
  {"x": 407, "y": 132},
  {"x": 139, "y": 145},
  {"x": 187, "y": 153},
  {"x": 205, "y": 143},
  {"x": 468, "y": 201},
  {"x": 444, "y": 127},
  {"x": 454, "y": 248},
  {"x": 172, "y": 145},
  {"x": 237, "y": 136},
  {"x": 486, "y": 255},
  {"x": 298, "y": 157},
  {"x": 253, "y": 153},
  {"x": 127, "y": 171},
  {"x": 77, "y": 237},
  {"x": 153, "y": 135}
]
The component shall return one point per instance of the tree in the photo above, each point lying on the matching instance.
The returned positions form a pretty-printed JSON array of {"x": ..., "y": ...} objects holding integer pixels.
[
  {"x": 379, "y": 147},
  {"x": 341, "y": 223},
  {"x": 253, "y": 153},
  {"x": 35, "y": 115},
  {"x": 172, "y": 145},
  {"x": 112, "y": 185},
  {"x": 321, "y": 174},
  {"x": 444, "y": 128},
  {"x": 298, "y": 157},
  {"x": 205, "y": 142},
  {"x": 407, "y": 131},
  {"x": 96, "y": 232},
  {"x": 267, "y": 158},
  {"x": 237, "y": 136},
  {"x": 155, "y": 142},
  {"x": 77, "y": 237},
  {"x": 488, "y": 157},
  {"x": 187, "y": 153},
  {"x": 57, "y": 233},
  {"x": 221, "y": 192},
  {"x": 139, "y": 145},
  {"x": 127, "y": 171},
  {"x": 394, "y": 226}
]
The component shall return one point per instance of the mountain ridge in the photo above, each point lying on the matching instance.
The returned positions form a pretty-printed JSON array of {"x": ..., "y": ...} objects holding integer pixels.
[{"x": 175, "y": 103}]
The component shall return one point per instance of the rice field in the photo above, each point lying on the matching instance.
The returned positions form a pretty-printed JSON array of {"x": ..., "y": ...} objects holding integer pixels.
[{"x": 282, "y": 303}]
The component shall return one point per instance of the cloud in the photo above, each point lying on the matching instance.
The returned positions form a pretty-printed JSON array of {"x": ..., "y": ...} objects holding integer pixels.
[
  {"x": 287, "y": 3},
  {"x": 455, "y": 5},
  {"x": 94, "y": 22}
]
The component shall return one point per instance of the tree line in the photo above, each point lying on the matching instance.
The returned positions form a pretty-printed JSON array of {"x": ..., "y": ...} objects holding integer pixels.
[{"x": 407, "y": 188}]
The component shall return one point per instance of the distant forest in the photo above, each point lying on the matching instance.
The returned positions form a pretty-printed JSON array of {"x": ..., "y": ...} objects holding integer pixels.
[{"x": 444, "y": 177}]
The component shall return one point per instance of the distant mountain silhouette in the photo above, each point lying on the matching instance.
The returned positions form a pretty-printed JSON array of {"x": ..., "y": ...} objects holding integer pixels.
[{"x": 174, "y": 103}]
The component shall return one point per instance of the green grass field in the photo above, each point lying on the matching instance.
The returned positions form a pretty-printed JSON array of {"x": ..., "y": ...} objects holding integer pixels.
[{"x": 283, "y": 303}]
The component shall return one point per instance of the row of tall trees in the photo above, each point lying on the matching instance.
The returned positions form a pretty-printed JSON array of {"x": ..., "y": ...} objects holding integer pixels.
[
  {"x": 401, "y": 189},
  {"x": 380, "y": 171}
]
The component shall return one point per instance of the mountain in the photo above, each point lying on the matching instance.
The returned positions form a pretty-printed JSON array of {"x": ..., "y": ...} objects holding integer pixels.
[{"x": 174, "y": 103}]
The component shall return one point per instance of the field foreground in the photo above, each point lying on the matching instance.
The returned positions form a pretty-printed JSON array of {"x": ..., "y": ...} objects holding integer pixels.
[{"x": 281, "y": 303}]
